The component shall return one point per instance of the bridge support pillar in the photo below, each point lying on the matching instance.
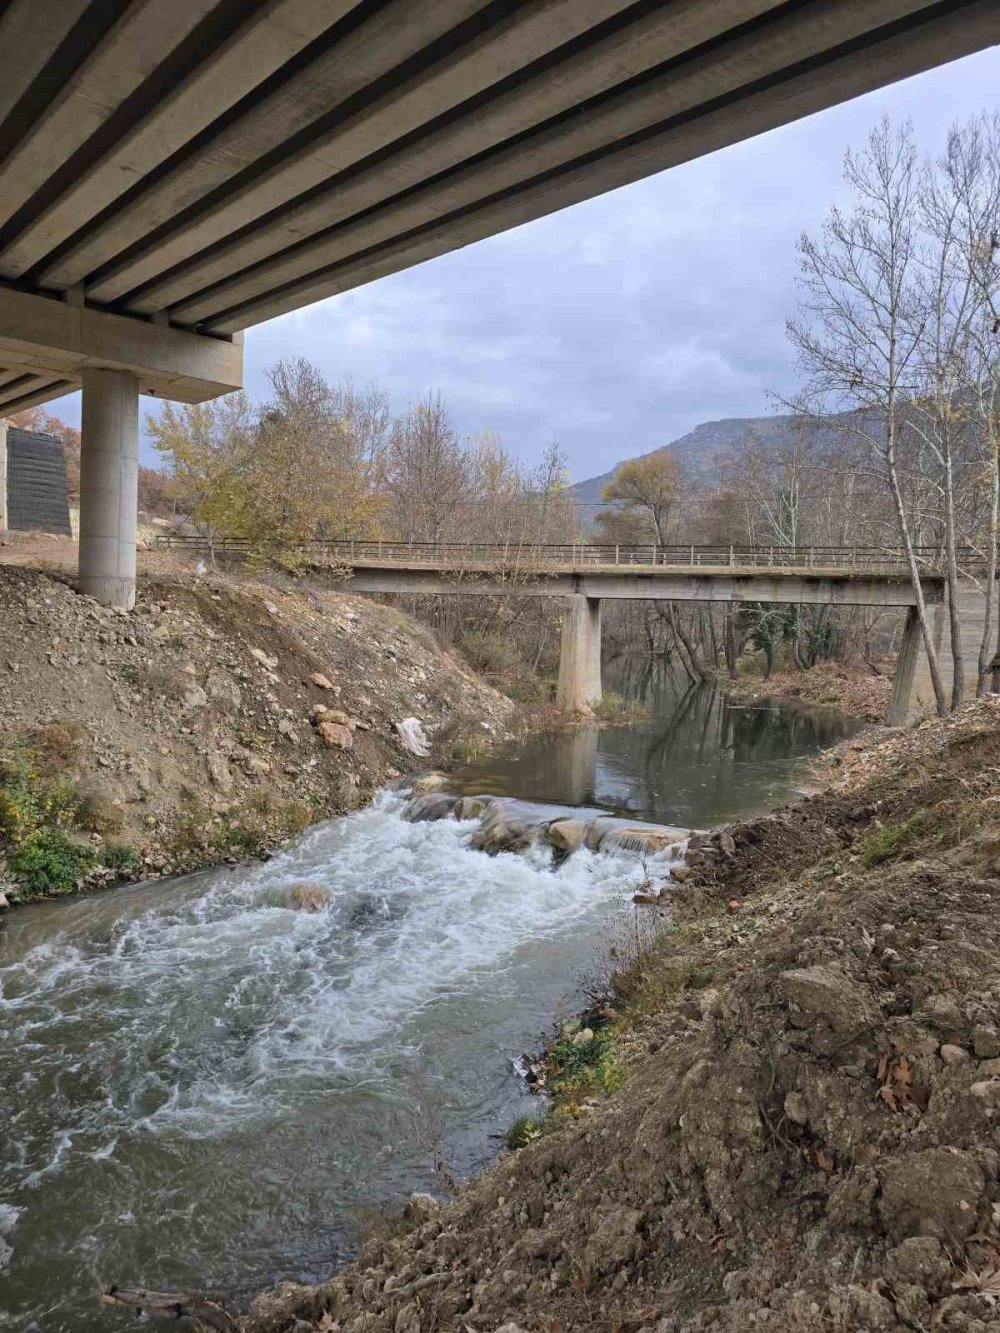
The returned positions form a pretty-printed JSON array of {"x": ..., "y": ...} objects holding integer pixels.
[
  {"x": 906, "y": 670},
  {"x": 109, "y": 496},
  {"x": 579, "y": 685}
]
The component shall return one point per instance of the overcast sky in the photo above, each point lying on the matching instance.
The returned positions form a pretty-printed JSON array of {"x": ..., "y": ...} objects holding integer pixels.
[{"x": 619, "y": 324}]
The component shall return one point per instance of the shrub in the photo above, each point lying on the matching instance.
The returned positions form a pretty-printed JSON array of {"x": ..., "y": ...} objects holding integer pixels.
[
  {"x": 883, "y": 843},
  {"x": 59, "y": 748},
  {"x": 48, "y": 861},
  {"x": 490, "y": 653},
  {"x": 98, "y": 814},
  {"x": 121, "y": 858}
]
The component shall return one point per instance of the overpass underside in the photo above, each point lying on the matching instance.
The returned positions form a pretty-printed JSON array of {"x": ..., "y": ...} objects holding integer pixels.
[
  {"x": 579, "y": 687},
  {"x": 173, "y": 173}
]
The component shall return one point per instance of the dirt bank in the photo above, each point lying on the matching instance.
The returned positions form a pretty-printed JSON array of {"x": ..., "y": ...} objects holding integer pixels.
[
  {"x": 189, "y": 732},
  {"x": 857, "y": 690},
  {"x": 808, "y": 1128}
]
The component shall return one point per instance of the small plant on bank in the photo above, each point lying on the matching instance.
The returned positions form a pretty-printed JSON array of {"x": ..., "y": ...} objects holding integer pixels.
[
  {"x": 579, "y": 1069},
  {"x": 523, "y": 1131},
  {"x": 48, "y": 862}
]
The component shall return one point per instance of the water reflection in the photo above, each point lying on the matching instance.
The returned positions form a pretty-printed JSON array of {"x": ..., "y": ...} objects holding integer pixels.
[{"x": 702, "y": 758}]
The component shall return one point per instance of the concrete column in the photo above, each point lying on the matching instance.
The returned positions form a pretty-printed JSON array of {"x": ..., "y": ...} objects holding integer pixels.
[
  {"x": 3, "y": 478},
  {"x": 109, "y": 496},
  {"x": 580, "y": 656},
  {"x": 906, "y": 670}
]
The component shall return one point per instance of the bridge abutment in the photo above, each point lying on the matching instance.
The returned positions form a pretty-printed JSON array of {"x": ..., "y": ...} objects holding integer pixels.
[
  {"x": 579, "y": 685},
  {"x": 913, "y": 690}
]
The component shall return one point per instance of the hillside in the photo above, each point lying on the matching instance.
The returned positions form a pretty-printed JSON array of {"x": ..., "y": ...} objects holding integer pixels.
[
  {"x": 699, "y": 448},
  {"x": 219, "y": 719}
]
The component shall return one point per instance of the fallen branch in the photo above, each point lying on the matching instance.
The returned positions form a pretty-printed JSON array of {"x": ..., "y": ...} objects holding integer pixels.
[{"x": 181, "y": 1306}]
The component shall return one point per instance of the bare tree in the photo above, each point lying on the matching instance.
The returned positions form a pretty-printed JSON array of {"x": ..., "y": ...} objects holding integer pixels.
[{"x": 856, "y": 338}]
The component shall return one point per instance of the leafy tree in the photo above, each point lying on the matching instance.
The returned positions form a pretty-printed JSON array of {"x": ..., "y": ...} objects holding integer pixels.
[{"x": 648, "y": 487}]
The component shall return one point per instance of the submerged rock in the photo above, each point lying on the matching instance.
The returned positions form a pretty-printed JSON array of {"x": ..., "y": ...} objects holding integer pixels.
[
  {"x": 308, "y": 897},
  {"x": 470, "y": 807},
  {"x": 429, "y": 808}
]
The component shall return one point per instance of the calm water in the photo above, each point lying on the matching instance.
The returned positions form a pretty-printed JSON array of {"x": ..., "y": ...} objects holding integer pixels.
[
  {"x": 701, "y": 759},
  {"x": 204, "y": 1088}
]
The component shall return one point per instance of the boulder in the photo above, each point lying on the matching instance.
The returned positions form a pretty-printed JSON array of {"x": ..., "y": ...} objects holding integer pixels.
[
  {"x": 323, "y": 714},
  {"x": 335, "y": 736},
  {"x": 429, "y": 782},
  {"x": 469, "y": 807},
  {"x": 194, "y": 696},
  {"x": 219, "y": 772},
  {"x": 597, "y": 831},
  {"x": 319, "y": 680},
  {"x": 566, "y": 834},
  {"x": 497, "y": 833},
  {"x": 223, "y": 690},
  {"x": 429, "y": 808},
  {"x": 645, "y": 841}
]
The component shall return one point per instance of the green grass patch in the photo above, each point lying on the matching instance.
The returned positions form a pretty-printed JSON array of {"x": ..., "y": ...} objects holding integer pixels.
[
  {"x": 579, "y": 1069},
  {"x": 882, "y": 844}
]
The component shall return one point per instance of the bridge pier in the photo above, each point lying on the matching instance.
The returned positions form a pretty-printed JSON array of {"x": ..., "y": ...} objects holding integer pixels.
[
  {"x": 579, "y": 685},
  {"x": 109, "y": 481},
  {"x": 912, "y": 689}
]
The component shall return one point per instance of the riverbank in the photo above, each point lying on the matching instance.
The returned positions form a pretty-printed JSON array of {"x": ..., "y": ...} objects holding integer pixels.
[
  {"x": 220, "y": 719},
  {"x": 859, "y": 691},
  {"x": 804, "y": 1136}
]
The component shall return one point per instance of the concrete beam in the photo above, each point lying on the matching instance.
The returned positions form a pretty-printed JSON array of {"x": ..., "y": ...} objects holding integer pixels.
[
  {"x": 802, "y": 92},
  {"x": 624, "y": 54},
  {"x": 56, "y": 341},
  {"x": 285, "y": 111},
  {"x": 681, "y": 87},
  {"x": 807, "y": 587}
]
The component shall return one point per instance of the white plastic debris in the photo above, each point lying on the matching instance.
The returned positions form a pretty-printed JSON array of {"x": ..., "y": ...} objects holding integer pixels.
[{"x": 411, "y": 732}]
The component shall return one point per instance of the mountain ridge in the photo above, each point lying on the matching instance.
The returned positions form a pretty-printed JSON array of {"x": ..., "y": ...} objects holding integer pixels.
[{"x": 697, "y": 449}]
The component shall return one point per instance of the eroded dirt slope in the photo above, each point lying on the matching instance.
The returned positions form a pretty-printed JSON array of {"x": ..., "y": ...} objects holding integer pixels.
[
  {"x": 189, "y": 725},
  {"x": 808, "y": 1136}
]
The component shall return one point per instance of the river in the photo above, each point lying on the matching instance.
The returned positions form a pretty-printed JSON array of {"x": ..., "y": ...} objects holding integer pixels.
[{"x": 204, "y": 1088}]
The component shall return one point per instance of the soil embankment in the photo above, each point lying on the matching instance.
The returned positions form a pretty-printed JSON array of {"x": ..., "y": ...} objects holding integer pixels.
[
  {"x": 220, "y": 718},
  {"x": 807, "y": 1133},
  {"x": 860, "y": 690}
]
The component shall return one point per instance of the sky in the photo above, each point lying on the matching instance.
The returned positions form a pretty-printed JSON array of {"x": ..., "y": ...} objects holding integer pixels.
[{"x": 619, "y": 324}]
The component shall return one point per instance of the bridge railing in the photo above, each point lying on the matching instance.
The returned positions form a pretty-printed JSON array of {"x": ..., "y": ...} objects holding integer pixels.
[{"x": 526, "y": 556}]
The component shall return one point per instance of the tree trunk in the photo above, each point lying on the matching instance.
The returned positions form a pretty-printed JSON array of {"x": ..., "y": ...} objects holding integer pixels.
[
  {"x": 921, "y": 606},
  {"x": 982, "y": 687}
]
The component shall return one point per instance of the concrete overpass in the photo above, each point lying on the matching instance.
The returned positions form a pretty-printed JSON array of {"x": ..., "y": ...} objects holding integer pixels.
[
  {"x": 584, "y": 590},
  {"x": 173, "y": 173}
]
